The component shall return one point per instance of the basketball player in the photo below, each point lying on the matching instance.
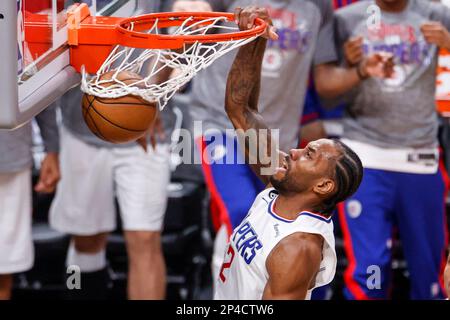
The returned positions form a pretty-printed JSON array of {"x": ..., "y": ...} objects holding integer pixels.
[
  {"x": 284, "y": 247},
  {"x": 16, "y": 243},
  {"x": 94, "y": 174},
  {"x": 305, "y": 39},
  {"x": 392, "y": 124}
]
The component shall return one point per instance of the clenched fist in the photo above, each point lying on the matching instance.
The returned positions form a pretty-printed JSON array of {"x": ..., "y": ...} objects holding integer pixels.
[
  {"x": 380, "y": 65},
  {"x": 245, "y": 19}
]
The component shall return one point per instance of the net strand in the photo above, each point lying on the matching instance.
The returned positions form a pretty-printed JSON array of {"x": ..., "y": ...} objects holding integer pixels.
[{"x": 188, "y": 62}]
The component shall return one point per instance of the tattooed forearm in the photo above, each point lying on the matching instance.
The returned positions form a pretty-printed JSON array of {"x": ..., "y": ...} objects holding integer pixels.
[
  {"x": 245, "y": 77},
  {"x": 241, "y": 104}
]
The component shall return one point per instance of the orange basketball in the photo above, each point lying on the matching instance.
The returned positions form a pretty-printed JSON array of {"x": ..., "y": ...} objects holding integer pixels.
[{"x": 118, "y": 120}]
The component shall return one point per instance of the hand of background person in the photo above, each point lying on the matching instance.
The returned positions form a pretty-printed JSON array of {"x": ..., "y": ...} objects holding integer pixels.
[
  {"x": 245, "y": 19},
  {"x": 191, "y": 6},
  {"x": 49, "y": 174},
  {"x": 380, "y": 65},
  {"x": 353, "y": 51},
  {"x": 436, "y": 33}
]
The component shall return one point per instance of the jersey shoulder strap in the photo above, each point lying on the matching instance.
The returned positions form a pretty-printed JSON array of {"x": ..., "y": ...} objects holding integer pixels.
[{"x": 267, "y": 195}]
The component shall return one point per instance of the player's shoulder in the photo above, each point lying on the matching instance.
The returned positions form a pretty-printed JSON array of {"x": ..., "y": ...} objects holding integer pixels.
[
  {"x": 308, "y": 240},
  {"x": 298, "y": 245}
]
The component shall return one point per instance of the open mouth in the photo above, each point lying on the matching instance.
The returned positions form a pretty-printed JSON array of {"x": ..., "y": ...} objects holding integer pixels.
[
  {"x": 285, "y": 163},
  {"x": 283, "y": 166}
]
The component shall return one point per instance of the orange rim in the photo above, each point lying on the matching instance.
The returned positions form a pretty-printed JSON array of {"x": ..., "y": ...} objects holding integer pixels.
[
  {"x": 171, "y": 19},
  {"x": 91, "y": 39}
]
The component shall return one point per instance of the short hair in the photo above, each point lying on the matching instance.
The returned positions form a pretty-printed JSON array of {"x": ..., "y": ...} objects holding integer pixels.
[{"x": 348, "y": 176}]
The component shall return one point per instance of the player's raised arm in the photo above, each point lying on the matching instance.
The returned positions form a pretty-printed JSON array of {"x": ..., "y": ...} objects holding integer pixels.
[
  {"x": 242, "y": 93},
  {"x": 292, "y": 267}
]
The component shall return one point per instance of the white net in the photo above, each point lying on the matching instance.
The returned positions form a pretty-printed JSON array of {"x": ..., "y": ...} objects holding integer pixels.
[{"x": 150, "y": 63}]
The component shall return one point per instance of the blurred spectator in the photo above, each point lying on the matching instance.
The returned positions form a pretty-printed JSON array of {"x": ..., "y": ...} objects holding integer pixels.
[
  {"x": 95, "y": 173},
  {"x": 318, "y": 121},
  {"x": 392, "y": 125},
  {"x": 16, "y": 243}
]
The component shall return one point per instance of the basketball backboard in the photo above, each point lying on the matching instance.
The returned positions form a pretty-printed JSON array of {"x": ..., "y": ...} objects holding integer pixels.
[{"x": 34, "y": 65}]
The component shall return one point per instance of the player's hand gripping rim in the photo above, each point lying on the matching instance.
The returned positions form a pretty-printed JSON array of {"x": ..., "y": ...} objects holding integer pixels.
[{"x": 245, "y": 19}]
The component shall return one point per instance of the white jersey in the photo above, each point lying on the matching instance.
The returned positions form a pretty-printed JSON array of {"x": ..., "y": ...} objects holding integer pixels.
[{"x": 243, "y": 275}]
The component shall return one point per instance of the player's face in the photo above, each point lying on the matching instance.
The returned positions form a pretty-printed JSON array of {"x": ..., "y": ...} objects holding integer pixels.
[{"x": 302, "y": 169}]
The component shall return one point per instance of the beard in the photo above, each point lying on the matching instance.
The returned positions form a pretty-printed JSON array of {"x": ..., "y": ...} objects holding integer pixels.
[
  {"x": 285, "y": 185},
  {"x": 280, "y": 185}
]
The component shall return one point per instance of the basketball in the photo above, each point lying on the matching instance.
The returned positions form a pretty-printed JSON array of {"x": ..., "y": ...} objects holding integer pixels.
[{"x": 118, "y": 120}]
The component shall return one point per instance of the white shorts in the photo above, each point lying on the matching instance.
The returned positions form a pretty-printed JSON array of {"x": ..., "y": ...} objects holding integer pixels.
[
  {"x": 16, "y": 242},
  {"x": 91, "y": 177}
]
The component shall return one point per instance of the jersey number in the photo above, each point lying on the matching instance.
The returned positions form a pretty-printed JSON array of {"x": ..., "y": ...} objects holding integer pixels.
[{"x": 227, "y": 265}]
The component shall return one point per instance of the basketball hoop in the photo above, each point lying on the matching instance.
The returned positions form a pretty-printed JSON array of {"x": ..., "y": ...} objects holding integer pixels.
[{"x": 187, "y": 42}]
